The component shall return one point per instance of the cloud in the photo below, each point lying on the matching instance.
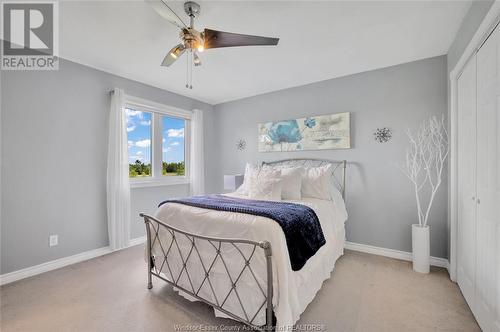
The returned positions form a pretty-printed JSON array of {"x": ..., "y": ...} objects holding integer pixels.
[
  {"x": 139, "y": 153},
  {"x": 168, "y": 149},
  {"x": 130, "y": 143},
  {"x": 163, "y": 140},
  {"x": 145, "y": 143},
  {"x": 132, "y": 116},
  {"x": 174, "y": 143},
  {"x": 132, "y": 113},
  {"x": 175, "y": 132},
  {"x": 136, "y": 157}
]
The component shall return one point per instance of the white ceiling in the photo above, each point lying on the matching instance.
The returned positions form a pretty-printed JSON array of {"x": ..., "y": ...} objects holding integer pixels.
[{"x": 319, "y": 40}]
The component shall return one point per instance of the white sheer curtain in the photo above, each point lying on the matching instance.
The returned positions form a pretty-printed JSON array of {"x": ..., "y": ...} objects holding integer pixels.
[
  {"x": 118, "y": 186},
  {"x": 197, "y": 159}
]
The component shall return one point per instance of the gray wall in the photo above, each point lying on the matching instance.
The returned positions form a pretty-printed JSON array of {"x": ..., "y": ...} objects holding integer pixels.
[
  {"x": 53, "y": 153},
  {"x": 468, "y": 28},
  {"x": 380, "y": 201},
  {"x": 54, "y": 128}
]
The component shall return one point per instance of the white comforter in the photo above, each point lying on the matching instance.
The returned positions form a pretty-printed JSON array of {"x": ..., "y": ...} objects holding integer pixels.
[{"x": 293, "y": 290}]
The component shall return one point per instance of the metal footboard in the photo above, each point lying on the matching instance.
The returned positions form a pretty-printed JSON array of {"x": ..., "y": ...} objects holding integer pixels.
[{"x": 172, "y": 275}]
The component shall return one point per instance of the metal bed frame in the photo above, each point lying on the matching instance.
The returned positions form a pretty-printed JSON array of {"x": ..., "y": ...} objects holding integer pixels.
[{"x": 173, "y": 275}]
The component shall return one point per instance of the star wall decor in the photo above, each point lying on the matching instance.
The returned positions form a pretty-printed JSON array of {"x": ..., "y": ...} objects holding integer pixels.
[
  {"x": 241, "y": 144},
  {"x": 382, "y": 135}
]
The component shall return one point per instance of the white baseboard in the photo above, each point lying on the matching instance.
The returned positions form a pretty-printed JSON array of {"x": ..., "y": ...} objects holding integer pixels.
[
  {"x": 65, "y": 261},
  {"x": 61, "y": 262},
  {"x": 137, "y": 241},
  {"x": 403, "y": 255},
  {"x": 52, "y": 265}
]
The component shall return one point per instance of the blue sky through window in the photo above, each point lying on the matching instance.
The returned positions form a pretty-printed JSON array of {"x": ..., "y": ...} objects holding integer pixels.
[
  {"x": 139, "y": 126},
  {"x": 139, "y": 136},
  {"x": 173, "y": 139}
]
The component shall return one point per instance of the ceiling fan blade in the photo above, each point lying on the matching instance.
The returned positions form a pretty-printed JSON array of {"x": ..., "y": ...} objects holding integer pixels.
[
  {"x": 162, "y": 8},
  {"x": 216, "y": 39},
  {"x": 172, "y": 55}
]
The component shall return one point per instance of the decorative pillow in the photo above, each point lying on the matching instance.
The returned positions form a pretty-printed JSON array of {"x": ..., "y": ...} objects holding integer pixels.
[
  {"x": 316, "y": 182},
  {"x": 292, "y": 181},
  {"x": 250, "y": 170},
  {"x": 265, "y": 184}
]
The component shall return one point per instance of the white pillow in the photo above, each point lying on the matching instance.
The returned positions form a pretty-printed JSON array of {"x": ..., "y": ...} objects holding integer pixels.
[
  {"x": 292, "y": 181},
  {"x": 250, "y": 170},
  {"x": 316, "y": 182},
  {"x": 265, "y": 184}
]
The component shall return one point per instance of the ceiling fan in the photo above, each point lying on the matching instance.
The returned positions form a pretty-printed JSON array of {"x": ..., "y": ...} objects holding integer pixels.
[{"x": 194, "y": 41}]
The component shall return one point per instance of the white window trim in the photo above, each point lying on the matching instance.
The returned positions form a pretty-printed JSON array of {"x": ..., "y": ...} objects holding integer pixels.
[{"x": 158, "y": 110}]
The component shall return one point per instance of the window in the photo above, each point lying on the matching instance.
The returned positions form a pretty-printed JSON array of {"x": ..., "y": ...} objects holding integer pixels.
[
  {"x": 158, "y": 143},
  {"x": 139, "y": 142},
  {"x": 173, "y": 146}
]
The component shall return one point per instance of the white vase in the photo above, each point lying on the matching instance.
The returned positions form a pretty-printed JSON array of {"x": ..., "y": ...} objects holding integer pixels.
[{"x": 421, "y": 247}]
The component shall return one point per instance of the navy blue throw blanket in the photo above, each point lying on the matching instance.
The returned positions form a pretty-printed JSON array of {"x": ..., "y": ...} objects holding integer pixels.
[{"x": 300, "y": 223}]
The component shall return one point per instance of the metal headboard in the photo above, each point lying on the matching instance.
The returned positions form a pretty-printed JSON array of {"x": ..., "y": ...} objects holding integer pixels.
[{"x": 338, "y": 173}]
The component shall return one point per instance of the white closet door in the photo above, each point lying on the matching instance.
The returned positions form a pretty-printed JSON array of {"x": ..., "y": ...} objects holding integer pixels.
[
  {"x": 466, "y": 249},
  {"x": 488, "y": 185}
]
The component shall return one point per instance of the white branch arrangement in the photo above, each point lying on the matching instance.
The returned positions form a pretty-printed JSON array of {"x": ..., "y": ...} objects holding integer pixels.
[{"x": 425, "y": 161}]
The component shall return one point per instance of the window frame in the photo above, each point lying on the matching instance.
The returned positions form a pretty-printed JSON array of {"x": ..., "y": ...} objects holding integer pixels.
[{"x": 158, "y": 110}]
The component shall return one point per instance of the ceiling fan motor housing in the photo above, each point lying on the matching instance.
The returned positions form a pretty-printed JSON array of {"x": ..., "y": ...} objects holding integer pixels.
[
  {"x": 192, "y": 38},
  {"x": 192, "y": 9}
]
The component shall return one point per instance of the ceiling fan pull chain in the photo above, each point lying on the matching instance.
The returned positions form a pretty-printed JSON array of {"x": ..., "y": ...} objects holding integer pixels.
[
  {"x": 187, "y": 70},
  {"x": 191, "y": 72}
]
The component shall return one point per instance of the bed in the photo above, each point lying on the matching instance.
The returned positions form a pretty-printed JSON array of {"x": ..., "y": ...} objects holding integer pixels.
[{"x": 238, "y": 263}]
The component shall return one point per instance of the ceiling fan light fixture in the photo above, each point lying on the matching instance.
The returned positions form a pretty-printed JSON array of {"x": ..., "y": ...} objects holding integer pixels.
[
  {"x": 196, "y": 59},
  {"x": 177, "y": 51}
]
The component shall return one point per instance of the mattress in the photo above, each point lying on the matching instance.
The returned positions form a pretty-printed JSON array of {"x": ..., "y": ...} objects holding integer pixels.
[{"x": 293, "y": 290}]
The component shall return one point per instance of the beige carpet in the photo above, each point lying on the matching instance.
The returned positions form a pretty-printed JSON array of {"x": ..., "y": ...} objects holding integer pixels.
[{"x": 365, "y": 293}]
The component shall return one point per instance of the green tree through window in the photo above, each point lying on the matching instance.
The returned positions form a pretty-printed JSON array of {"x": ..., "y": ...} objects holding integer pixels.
[{"x": 173, "y": 168}]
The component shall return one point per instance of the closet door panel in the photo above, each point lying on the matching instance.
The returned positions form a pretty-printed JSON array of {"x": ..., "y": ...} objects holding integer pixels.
[
  {"x": 466, "y": 249},
  {"x": 491, "y": 210},
  {"x": 488, "y": 184}
]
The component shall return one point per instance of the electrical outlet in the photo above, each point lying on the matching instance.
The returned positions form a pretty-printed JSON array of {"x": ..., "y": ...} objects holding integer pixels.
[{"x": 53, "y": 240}]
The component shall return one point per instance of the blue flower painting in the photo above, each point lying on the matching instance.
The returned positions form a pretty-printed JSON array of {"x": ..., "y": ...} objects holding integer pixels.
[
  {"x": 309, "y": 122},
  {"x": 285, "y": 132},
  {"x": 311, "y": 133}
]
